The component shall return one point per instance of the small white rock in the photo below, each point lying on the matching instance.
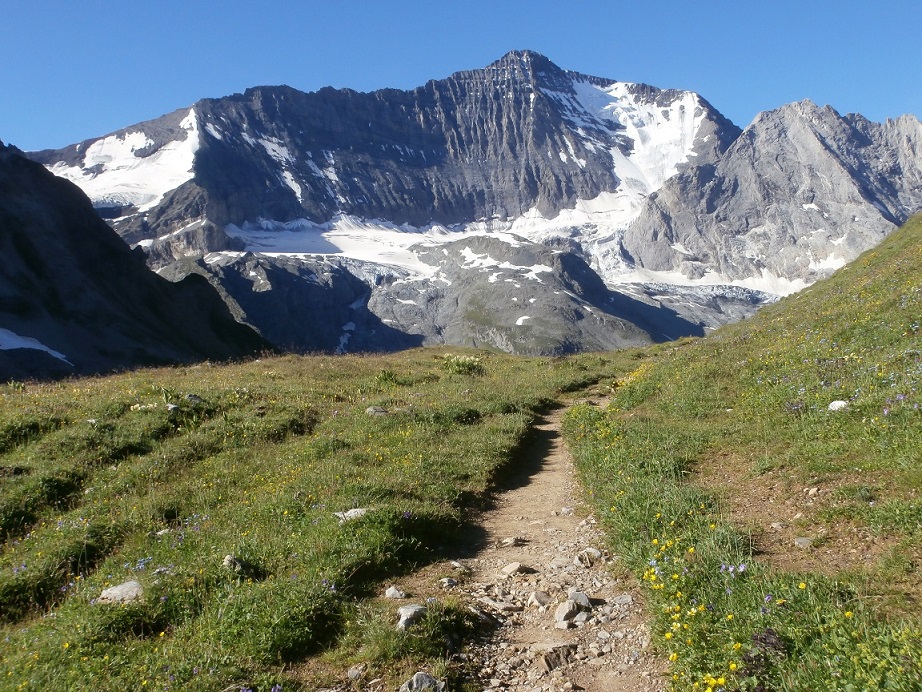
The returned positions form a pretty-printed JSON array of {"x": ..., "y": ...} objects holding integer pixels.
[
  {"x": 512, "y": 568},
  {"x": 122, "y": 593},
  {"x": 351, "y": 514},
  {"x": 394, "y": 593},
  {"x": 409, "y": 615}
]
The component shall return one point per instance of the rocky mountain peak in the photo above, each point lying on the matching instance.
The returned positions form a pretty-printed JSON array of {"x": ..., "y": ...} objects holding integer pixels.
[
  {"x": 800, "y": 193},
  {"x": 629, "y": 178},
  {"x": 526, "y": 67}
]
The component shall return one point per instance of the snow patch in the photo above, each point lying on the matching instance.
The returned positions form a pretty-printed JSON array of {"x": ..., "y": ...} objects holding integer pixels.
[
  {"x": 647, "y": 141},
  {"x": 278, "y": 151},
  {"x": 214, "y": 131},
  {"x": 347, "y": 328},
  {"x": 290, "y": 181},
  {"x": 829, "y": 263},
  {"x": 767, "y": 282},
  {"x": 519, "y": 322},
  {"x": 11, "y": 340},
  {"x": 113, "y": 173},
  {"x": 474, "y": 261}
]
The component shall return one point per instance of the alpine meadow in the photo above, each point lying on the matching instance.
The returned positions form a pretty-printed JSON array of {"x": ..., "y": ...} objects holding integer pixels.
[{"x": 776, "y": 536}]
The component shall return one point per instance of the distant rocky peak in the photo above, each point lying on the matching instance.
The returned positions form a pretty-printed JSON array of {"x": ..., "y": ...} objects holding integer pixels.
[
  {"x": 519, "y": 136},
  {"x": 524, "y": 64}
]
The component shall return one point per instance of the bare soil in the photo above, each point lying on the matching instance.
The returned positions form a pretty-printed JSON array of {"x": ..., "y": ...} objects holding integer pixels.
[{"x": 776, "y": 510}]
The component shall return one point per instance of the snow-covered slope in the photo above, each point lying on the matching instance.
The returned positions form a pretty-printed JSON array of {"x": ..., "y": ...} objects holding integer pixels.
[{"x": 131, "y": 170}]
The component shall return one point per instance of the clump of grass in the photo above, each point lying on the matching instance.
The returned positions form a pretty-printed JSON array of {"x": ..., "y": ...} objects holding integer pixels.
[
  {"x": 463, "y": 365},
  {"x": 370, "y": 636}
]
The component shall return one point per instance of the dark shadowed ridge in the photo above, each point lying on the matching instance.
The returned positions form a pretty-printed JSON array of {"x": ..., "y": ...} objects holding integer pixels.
[{"x": 69, "y": 282}]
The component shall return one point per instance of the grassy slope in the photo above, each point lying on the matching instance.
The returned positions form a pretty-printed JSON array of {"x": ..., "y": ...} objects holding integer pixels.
[
  {"x": 709, "y": 443},
  {"x": 103, "y": 480}
]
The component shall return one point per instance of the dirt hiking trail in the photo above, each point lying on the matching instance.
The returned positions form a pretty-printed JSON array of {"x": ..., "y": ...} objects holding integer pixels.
[{"x": 566, "y": 617}]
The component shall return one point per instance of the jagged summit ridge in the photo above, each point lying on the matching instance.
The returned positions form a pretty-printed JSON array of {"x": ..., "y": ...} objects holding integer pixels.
[{"x": 519, "y": 135}]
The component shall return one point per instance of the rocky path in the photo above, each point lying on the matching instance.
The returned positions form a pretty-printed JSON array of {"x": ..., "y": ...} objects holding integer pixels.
[{"x": 564, "y": 618}]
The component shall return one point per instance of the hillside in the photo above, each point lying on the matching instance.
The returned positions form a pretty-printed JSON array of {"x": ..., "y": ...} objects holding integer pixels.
[
  {"x": 74, "y": 299},
  {"x": 773, "y": 473}
]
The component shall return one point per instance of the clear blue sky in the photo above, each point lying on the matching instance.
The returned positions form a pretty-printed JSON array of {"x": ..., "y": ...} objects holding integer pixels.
[{"x": 74, "y": 69}]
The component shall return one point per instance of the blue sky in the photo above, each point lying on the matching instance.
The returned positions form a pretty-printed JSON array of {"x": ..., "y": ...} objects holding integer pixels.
[{"x": 72, "y": 70}]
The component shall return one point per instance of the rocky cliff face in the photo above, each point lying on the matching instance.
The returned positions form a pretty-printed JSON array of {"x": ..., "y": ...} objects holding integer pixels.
[
  {"x": 75, "y": 299},
  {"x": 801, "y": 192},
  {"x": 492, "y": 144}
]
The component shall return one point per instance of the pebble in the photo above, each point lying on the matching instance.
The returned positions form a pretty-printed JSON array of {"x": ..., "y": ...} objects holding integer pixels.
[
  {"x": 351, "y": 514},
  {"x": 588, "y": 557},
  {"x": 422, "y": 681},
  {"x": 513, "y": 568},
  {"x": 580, "y": 599},
  {"x": 511, "y": 542},
  {"x": 623, "y": 600},
  {"x": 394, "y": 593},
  {"x": 539, "y": 598},
  {"x": 409, "y": 615}
]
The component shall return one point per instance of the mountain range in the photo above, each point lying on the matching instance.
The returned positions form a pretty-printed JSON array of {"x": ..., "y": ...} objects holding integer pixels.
[{"x": 521, "y": 206}]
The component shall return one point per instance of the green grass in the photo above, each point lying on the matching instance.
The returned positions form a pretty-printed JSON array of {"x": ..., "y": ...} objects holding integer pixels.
[
  {"x": 103, "y": 480},
  {"x": 745, "y": 412}
]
